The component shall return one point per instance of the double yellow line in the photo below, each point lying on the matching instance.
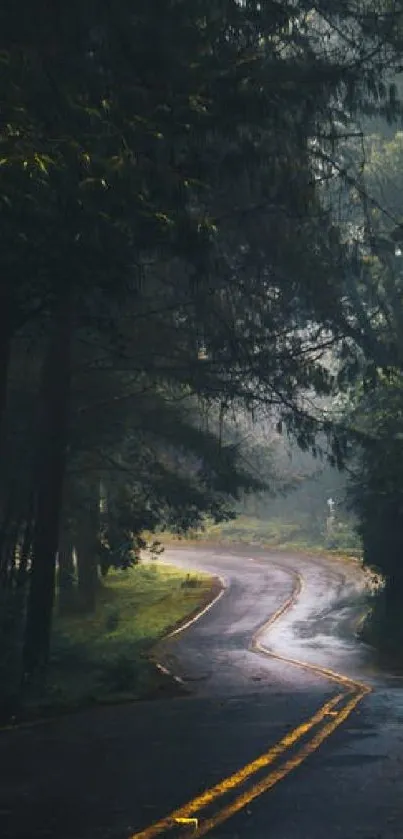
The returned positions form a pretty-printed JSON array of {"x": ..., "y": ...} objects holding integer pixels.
[{"x": 320, "y": 726}]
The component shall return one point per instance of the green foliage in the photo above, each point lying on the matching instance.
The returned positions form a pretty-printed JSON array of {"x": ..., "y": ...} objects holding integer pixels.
[
  {"x": 159, "y": 173},
  {"x": 191, "y": 582},
  {"x": 375, "y": 413},
  {"x": 112, "y": 618},
  {"x": 383, "y": 630},
  {"x": 119, "y": 674},
  {"x": 104, "y": 657},
  {"x": 296, "y": 532}
]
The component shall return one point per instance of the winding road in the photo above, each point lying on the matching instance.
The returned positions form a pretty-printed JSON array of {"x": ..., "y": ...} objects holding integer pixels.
[{"x": 288, "y": 730}]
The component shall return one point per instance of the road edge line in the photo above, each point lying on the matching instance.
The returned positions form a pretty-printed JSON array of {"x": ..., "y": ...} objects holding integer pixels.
[
  {"x": 203, "y": 611},
  {"x": 358, "y": 689},
  {"x": 161, "y": 667},
  {"x": 188, "y": 623}
]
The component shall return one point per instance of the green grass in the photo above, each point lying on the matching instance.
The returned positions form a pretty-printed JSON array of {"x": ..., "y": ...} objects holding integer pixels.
[
  {"x": 105, "y": 657},
  {"x": 298, "y": 534}
]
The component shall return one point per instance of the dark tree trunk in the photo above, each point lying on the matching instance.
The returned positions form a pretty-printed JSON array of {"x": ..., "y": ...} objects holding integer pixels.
[
  {"x": 5, "y": 528},
  {"x": 26, "y": 547},
  {"x": 87, "y": 545},
  {"x": 6, "y": 334},
  {"x": 51, "y": 470},
  {"x": 10, "y": 552},
  {"x": 66, "y": 575},
  {"x": 389, "y": 619}
]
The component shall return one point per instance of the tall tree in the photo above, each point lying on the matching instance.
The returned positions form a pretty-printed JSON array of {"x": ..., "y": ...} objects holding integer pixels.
[
  {"x": 164, "y": 168},
  {"x": 53, "y": 437}
]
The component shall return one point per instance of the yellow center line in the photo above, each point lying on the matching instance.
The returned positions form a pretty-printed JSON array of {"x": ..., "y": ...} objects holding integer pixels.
[
  {"x": 233, "y": 781},
  {"x": 332, "y": 675},
  {"x": 193, "y": 807},
  {"x": 278, "y": 774}
]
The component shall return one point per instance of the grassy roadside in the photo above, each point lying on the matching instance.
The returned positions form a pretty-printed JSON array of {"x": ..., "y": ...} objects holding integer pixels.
[
  {"x": 280, "y": 534},
  {"x": 105, "y": 657}
]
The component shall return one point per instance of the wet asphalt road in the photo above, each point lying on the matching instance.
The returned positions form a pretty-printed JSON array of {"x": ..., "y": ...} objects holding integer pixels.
[{"x": 107, "y": 774}]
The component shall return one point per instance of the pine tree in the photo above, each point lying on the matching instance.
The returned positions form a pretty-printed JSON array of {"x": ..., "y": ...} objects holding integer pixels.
[{"x": 163, "y": 169}]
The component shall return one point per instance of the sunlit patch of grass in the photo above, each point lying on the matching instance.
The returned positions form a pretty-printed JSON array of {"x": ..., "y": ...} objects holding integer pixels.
[
  {"x": 258, "y": 531},
  {"x": 282, "y": 534},
  {"x": 104, "y": 657}
]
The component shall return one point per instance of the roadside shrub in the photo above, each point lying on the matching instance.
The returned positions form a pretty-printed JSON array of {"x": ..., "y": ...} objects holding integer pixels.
[
  {"x": 149, "y": 572},
  {"x": 68, "y": 653},
  {"x": 112, "y": 618},
  {"x": 191, "y": 582},
  {"x": 343, "y": 538},
  {"x": 383, "y": 628},
  {"x": 120, "y": 673}
]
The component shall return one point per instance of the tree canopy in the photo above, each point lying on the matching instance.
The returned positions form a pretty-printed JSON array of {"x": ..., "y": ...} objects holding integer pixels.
[{"x": 166, "y": 243}]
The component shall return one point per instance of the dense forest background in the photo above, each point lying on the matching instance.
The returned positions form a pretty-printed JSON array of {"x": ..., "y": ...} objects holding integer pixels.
[{"x": 201, "y": 231}]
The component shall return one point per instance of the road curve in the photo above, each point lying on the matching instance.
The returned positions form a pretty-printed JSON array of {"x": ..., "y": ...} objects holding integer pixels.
[
  {"x": 319, "y": 602},
  {"x": 258, "y": 744},
  {"x": 300, "y": 614}
]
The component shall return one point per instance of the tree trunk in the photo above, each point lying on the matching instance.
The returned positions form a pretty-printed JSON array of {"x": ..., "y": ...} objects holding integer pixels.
[
  {"x": 66, "y": 572},
  {"x": 10, "y": 552},
  {"x": 6, "y": 333},
  {"x": 87, "y": 544},
  {"x": 26, "y": 547},
  {"x": 51, "y": 470},
  {"x": 6, "y": 522}
]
